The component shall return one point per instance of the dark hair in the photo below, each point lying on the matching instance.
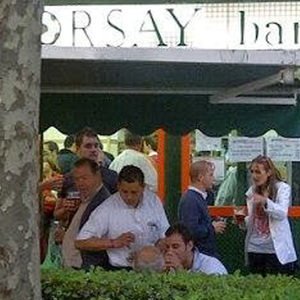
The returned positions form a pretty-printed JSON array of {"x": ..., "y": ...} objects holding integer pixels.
[
  {"x": 152, "y": 141},
  {"x": 131, "y": 139},
  {"x": 270, "y": 186},
  {"x": 131, "y": 174},
  {"x": 69, "y": 141},
  {"x": 86, "y": 131},
  {"x": 53, "y": 147},
  {"x": 94, "y": 166},
  {"x": 181, "y": 230}
]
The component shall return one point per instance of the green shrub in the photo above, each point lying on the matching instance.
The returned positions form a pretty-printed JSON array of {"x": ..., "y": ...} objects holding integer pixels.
[{"x": 59, "y": 284}]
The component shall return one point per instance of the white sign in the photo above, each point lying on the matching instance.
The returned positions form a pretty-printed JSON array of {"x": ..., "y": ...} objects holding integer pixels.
[
  {"x": 255, "y": 25},
  {"x": 243, "y": 149},
  {"x": 283, "y": 149},
  {"x": 205, "y": 143}
]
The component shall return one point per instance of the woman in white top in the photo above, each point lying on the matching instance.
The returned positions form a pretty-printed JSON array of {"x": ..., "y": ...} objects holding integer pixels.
[{"x": 269, "y": 243}]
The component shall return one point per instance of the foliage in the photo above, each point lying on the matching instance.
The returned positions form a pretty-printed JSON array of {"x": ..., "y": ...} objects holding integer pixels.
[{"x": 59, "y": 284}]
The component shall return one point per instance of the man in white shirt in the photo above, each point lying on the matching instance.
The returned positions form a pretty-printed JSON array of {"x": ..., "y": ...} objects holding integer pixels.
[
  {"x": 130, "y": 219},
  {"x": 180, "y": 253},
  {"x": 132, "y": 155}
]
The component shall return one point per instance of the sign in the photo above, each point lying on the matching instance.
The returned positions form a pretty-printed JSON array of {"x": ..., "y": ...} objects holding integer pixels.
[
  {"x": 283, "y": 149},
  {"x": 205, "y": 143},
  {"x": 255, "y": 25},
  {"x": 243, "y": 149}
]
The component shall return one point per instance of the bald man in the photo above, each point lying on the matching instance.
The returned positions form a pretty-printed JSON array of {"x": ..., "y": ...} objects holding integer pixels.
[
  {"x": 149, "y": 259},
  {"x": 193, "y": 208}
]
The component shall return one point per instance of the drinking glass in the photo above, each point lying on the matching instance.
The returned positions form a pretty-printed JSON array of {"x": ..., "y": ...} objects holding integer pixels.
[{"x": 239, "y": 213}]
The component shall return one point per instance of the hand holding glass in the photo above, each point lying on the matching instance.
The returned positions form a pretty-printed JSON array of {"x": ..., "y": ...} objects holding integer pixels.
[
  {"x": 239, "y": 214},
  {"x": 72, "y": 201}
]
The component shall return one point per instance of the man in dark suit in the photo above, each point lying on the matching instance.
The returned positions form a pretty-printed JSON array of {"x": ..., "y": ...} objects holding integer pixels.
[
  {"x": 193, "y": 208},
  {"x": 87, "y": 177}
]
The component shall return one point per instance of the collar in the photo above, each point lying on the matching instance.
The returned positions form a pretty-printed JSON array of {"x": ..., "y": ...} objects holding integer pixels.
[
  {"x": 93, "y": 194},
  {"x": 202, "y": 193}
]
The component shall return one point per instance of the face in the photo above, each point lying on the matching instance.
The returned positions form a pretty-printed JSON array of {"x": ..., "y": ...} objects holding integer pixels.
[
  {"x": 177, "y": 246},
  {"x": 259, "y": 174},
  {"x": 89, "y": 148},
  {"x": 48, "y": 154},
  {"x": 86, "y": 182},
  {"x": 146, "y": 148},
  {"x": 131, "y": 193},
  {"x": 208, "y": 179}
]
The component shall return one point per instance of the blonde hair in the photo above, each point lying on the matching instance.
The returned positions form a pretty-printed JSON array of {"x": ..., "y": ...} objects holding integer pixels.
[{"x": 200, "y": 167}]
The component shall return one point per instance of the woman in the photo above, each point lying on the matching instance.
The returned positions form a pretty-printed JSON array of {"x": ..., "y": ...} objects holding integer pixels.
[
  {"x": 269, "y": 244},
  {"x": 52, "y": 182}
]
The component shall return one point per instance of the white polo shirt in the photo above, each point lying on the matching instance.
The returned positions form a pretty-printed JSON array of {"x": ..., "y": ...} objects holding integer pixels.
[
  {"x": 207, "y": 264},
  {"x": 148, "y": 222},
  {"x": 138, "y": 159}
]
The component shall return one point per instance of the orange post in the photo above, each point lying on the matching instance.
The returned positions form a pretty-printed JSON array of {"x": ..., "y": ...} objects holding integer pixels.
[
  {"x": 185, "y": 162},
  {"x": 161, "y": 164},
  {"x": 227, "y": 211}
]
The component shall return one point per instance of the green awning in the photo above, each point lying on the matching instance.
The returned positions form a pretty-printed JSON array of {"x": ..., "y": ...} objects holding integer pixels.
[{"x": 177, "y": 114}]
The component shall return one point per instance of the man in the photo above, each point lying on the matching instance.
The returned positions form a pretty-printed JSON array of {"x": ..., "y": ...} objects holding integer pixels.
[
  {"x": 50, "y": 150},
  {"x": 180, "y": 253},
  {"x": 50, "y": 154},
  {"x": 149, "y": 259},
  {"x": 88, "y": 146},
  {"x": 87, "y": 177},
  {"x": 130, "y": 219},
  {"x": 132, "y": 156},
  {"x": 193, "y": 209},
  {"x": 67, "y": 156},
  {"x": 150, "y": 148}
]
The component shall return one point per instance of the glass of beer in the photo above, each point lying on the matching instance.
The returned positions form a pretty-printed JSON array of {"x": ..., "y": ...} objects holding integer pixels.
[
  {"x": 73, "y": 196},
  {"x": 239, "y": 213}
]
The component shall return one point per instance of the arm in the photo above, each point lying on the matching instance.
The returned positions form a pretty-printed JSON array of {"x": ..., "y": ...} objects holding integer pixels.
[
  {"x": 189, "y": 214},
  {"x": 247, "y": 224},
  {"x": 53, "y": 183},
  {"x": 64, "y": 208},
  {"x": 59, "y": 211},
  {"x": 93, "y": 234},
  {"x": 98, "y": 244},
  {"x": 279, "y": 209}
]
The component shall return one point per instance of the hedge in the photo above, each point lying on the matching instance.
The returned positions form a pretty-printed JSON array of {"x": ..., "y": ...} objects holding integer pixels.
[{"x": 59, "y": 284}]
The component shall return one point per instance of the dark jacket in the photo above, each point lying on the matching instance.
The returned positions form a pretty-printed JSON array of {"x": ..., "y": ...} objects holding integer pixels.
[
  {"x": 66, "y": 159},
  {"x": 193, "y": 213},
  {"x": 90, "y": 258}
]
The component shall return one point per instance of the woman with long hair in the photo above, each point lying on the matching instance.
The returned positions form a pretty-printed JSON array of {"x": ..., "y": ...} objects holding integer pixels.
[{"x": 269, "y": 243}]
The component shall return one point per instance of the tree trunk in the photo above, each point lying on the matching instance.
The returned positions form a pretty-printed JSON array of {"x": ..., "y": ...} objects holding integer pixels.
[{"x": 19, "y": 115}]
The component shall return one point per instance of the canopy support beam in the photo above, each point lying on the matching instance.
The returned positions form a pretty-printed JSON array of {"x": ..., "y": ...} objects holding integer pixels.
[{"x": 285, "y": 76}]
